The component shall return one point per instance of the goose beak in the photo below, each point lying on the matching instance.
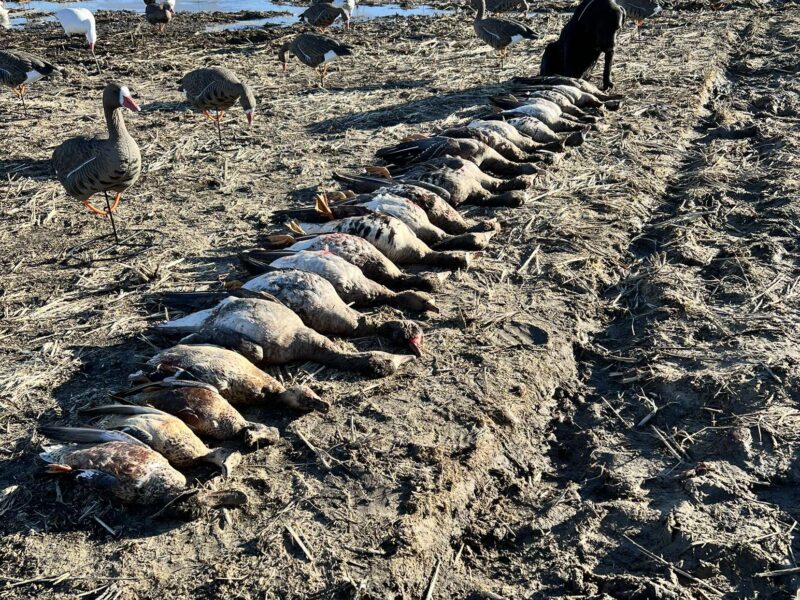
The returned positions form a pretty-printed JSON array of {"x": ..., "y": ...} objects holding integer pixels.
[
  {"x": 127, "y": 102},
  {"x": 415, "y": 344}
]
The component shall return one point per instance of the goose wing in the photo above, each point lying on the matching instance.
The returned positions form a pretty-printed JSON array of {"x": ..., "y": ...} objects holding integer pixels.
[
  {"x": 415, "y": 150},
  {"x": 499, "y": 33},
  {"x": 312, "y": 49},
  {"x": 640, "y": 9},
  {"x": 15, "y": 66},
  {"x": 214, "y": 87}
]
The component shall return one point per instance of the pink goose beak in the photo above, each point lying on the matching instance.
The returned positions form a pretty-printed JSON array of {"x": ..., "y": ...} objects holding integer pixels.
[{"x": 128, "y": 103}]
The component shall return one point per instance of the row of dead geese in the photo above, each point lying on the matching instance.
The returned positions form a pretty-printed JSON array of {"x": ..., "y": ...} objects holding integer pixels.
[{"x": 344, "y": 254}]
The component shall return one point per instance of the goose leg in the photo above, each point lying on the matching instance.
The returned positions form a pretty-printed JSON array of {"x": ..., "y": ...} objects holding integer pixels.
[
  {"x": 219, "y": 126},
  {"x": 21, "y": 93},
  {"x": 111, "y": 214}
]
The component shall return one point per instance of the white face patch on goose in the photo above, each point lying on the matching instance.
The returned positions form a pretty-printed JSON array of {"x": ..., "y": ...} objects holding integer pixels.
[{"x": 124, "y": 92}]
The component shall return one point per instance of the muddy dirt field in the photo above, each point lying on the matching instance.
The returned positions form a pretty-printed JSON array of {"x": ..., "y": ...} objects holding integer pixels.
[{"x": 608, "y": 405}]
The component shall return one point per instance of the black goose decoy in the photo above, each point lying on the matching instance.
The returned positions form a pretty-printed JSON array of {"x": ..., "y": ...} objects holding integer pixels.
[
  {"x": 496, "y": 6},
  {"x": 18, "y": 69},
  {"x": 315, "y": 51},
  {"x": 217, "y": 88},
  {"x": 86, "y": 166},
  {"x": 500, "y": 34},
  {"x": 323, "y": 14},
  {"x": 158, "y": 14}
]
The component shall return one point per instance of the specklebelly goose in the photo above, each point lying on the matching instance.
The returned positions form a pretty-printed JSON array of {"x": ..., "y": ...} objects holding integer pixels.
[
  {"x": 86, "y": 166},
  {"x": 217, "y": 89},
  {"x": 500, "y": 34},
  {"x": 545, "y": 109},
  {"x": 348, "y": 280},
  {"x": 158, "y": 14},
  {"x": 520, "y": 149},
  {"x": 120, "y": 465},
  {"x": 18, "y": 69},
  {"x": 422, "y": 149},
  {"x": 573, "y": 93},
  {"x": 389, "y": 235},
  {"x": 268, "y": 333},
  {"x": 164, "y": 433},
  {"x": 526, "y": 141},
  {"x": 237, "y": 380},
  {"x": 582, "y": 84},
  {"x": 561, "y": 99},
  {"x": 639, "y": 10},
  {"x": 358, "y": 251},
  {"x": 80, "y": 21},
  {"x": 315, "y": 51},
  {"x": 200, "y": 406},
  {"x": 542, "y": 110},
  {"x": 323, "y": 15}
]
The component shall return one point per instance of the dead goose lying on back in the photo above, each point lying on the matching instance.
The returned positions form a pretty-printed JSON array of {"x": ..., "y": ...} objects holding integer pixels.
[
  {"x": 86, "y": 166},
  {"x": 500, "y": 34},
  {"x": 315, "y": 51},
  {"x": 323, "y": 15},
  {"x": 18, "y": 69},
  {"x": 268, "y": 333},
  {"x": 236, "y": 379},
  {"x": 217, "y": 89}
]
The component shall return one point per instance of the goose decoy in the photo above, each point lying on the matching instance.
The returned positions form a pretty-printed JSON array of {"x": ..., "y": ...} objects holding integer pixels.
[
  {"x": 316, "y": 302},
  {"x": 159, "y": 14},
  {"x": 5, "y": 20},
  {"x": 18, "y": 69},
  {"x": 217, "y": 88},
  {"x": 86, "y": 166},
  {"x": 389, "y": 235},
  {"x": 119, "y": 464},
  {"x": 315, "y": 51},
  {"x": 323, "y": 14},
  {"x": 495, "y": 6},
  {"x": 355, "y": 250},
  {"x": 80, "y": 21},
  {"x": 348, "y": 5},
  {"x": 500, "y": 34},
  {"x": 348, "y": 280},
  {"x": 201, "y": 407},
  {"x": 268, "y": 333},
  {"x": 639, "y": 10},
  {"x": 164, "y": 433},
  {"x": 237, "y": 380},
  {"x": 422, "y": 149}
]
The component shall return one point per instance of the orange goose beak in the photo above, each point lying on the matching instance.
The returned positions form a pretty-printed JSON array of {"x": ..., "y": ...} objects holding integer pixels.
[{"x": 128, "y": 103}]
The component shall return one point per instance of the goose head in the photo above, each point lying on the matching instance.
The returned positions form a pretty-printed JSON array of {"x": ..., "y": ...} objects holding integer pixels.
[
  {"x": 406, "y": 333},
  {"x": 119, "y": 96},
  {"x": 91, "y": 37},
  {"x": 303, "y": 398}
]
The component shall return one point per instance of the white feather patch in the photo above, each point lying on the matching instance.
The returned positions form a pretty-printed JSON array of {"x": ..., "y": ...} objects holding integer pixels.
[{"x": 329, "y": 56}]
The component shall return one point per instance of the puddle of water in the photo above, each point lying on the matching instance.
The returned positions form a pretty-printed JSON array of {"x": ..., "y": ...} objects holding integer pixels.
[{"x": 227, "y": 6}]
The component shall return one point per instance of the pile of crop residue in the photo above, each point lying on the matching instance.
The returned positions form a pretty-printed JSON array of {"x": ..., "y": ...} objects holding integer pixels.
[{"x": 607, "y": 403}]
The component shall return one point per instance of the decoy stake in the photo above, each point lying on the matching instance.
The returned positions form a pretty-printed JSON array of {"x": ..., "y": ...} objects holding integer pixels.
[{"x": 111, "y": 216}]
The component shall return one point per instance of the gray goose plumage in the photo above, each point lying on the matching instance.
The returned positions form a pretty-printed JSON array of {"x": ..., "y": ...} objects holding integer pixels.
[
  {"x": 496, "y": 6},
  {"x": 314, "y": 51},
  {"x": 323, "y": 15},
  {"x": 639, "y": 10},
  {"x": 158, "y": 14},
  {"x": 500, "y": 34},
  {"x": 18, "y": 69},
  {"x": 217, "y": 88},
  {"x": 86, "y": 166}
]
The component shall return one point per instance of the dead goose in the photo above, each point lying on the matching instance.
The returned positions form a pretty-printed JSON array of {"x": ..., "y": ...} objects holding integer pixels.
[
  {"x": 268, "y": 333},
  {"x": 422, "y": 149},
  {"x": 500, "y": 34},
  {"x": 158, "y": 14},
  {"x": 237, "y": 380},
  {"x": 121, "y": 465},
  {"x": 574, "y": 94},
  {"x": 323, "y": 15},
  {"x": 164, "y": 433},
  {"x": 544, "y": 135},
  {"x": 315, "y": 51},
  {"x": 507, "y": 147},
  {"x": 217, "y": 89},
  {"x": 546, "y": 112},
  {"x": 348, "y": 280},
  {"x": 389, "y": 235},
  {"x": 86, "y": 166},
  {"x": 581, "y": 84},
  {"x": 543, "y": 104},
  {"x": 315, "y": 301},
  {"x": 355, "y": 250},
  {"x": 18, "y": 69},
  {"x": 434, "y": 203},
  {"x": 560, "y": 98},
  {"x": 201, "y": 407}
]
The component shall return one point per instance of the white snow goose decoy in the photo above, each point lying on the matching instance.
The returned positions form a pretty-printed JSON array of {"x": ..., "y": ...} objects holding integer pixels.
[
  {"x": 314, "y": 51},
  {"x": 217, "y": 88},
  {"x": 80, "y": 21},
  {"x": 500, "y": 34},
  {"x": 86, "y": 166},
  {"x": 18, "y": 69}
]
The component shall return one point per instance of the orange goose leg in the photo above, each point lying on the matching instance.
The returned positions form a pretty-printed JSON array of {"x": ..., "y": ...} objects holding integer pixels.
[
  {"x": 20, "y": 91},
  {"x": 110, "y": 208}
]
